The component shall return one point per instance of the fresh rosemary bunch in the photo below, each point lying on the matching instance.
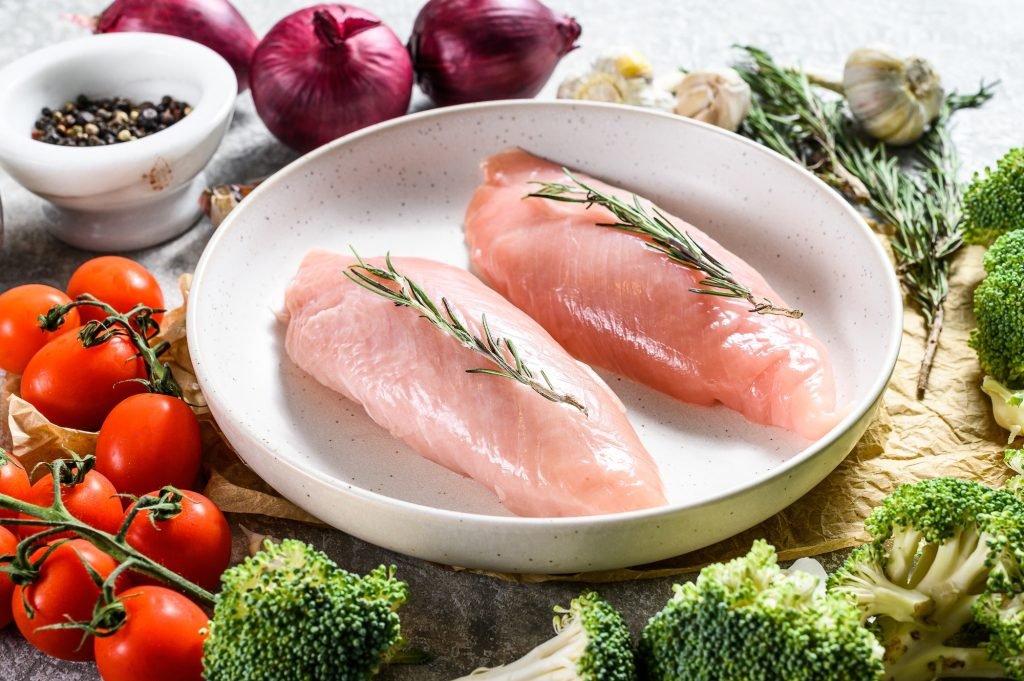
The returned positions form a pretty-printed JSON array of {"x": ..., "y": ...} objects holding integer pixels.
[
  {"x": 665, "y": 238},
  {"x": 916, "y": 191},
  {"x": 787, "y": 116},
  {"x": 409, "y": 294},
  {"x": 918, "y": 194}
]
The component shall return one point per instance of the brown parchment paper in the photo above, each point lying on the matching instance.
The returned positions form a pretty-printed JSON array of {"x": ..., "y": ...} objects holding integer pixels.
[{"x": 951, "y": 432}]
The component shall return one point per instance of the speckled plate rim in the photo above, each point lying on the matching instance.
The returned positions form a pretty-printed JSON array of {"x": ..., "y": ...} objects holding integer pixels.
[{"x": 857, "y": 410}]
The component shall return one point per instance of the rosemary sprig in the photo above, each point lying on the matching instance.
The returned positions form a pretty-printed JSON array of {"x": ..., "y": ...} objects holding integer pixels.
[
  {"x": 501, "y": 351},
  {"x": 665, "y": 238},
  {"x": 918, "y": 194},
  {"x": 915, "y": 191}
]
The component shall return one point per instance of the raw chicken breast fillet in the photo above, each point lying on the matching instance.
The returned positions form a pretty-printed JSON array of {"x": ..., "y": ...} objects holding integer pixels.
[
  {"x": 615, "y": 303},
  {"x": 540, "y": 457}
]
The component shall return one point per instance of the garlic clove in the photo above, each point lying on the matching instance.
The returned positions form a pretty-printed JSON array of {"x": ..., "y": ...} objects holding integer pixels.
[
  {"x": 595, "y": 86},
  {"x": 893, "y": 98},
  {"x": 619, "y": 76},
  {"x": 716, "y": 96}
]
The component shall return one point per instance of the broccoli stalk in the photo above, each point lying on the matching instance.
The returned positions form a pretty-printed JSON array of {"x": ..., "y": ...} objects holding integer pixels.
[
  {"x": 994, "y": 202},
  {"x": 592, "y": 644},
  {"x": 1007, "y": 406},
  {"x": 999, "y": 336},
  {"x": 747, "y": 620},
  {"x": 874, "y": 592},
  {"x": 944, "y": 554},
  {"x": 289, "y": 613}
]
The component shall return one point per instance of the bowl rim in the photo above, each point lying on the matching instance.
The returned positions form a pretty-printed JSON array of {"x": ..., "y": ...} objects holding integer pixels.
[
  {"x": 857, "y": 409},
  {"x": 212, "y": 73}
]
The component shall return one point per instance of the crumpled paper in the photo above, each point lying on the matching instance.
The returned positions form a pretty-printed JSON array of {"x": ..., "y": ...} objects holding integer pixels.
[{"x": 949, "y": 433}]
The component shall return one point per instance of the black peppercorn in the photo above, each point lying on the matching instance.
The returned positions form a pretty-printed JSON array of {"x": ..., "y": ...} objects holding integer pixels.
[{"x": 97, "y": 122}]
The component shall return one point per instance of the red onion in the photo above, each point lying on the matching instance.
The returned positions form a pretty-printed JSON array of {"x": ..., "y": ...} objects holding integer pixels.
[
  {"x": 214, "y": 23},
  {"x": 475, "y": 50},
  {"x": 325, "y": 71}
]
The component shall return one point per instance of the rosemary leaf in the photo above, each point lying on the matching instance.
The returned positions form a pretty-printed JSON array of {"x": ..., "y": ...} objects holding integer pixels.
[
  {"x": 665, "y": 238},
  {"x": 409, "y": 294}
]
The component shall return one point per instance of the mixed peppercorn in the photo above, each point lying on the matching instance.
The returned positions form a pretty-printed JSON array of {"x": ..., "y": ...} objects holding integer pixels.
[{"x": 87, "y": 122}]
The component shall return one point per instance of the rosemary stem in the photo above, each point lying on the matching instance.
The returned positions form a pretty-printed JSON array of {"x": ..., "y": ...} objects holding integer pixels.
[{"x": 930, "y": 348}]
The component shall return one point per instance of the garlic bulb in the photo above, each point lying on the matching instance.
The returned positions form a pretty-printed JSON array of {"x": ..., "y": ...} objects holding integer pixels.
[
  {"x": 893, "y": 98},
  {"x": 717, "y": 96},
  {"x": 621, "y": 77}
]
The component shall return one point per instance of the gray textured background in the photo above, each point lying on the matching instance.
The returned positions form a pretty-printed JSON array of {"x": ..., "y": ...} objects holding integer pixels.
[{"x": 466, "y": 619}]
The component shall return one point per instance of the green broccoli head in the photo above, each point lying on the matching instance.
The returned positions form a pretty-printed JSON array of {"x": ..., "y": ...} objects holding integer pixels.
[
  {"x": 994, "y": 202},
  {"x": 999, "y": 313},
  {"x": 748, "y": 620},
  {"x": 1006, "y": 254},
  {"x": 945, "y": 553},
  {"x": 592, "y": 644},
  {"x": 289, "y": 613}
]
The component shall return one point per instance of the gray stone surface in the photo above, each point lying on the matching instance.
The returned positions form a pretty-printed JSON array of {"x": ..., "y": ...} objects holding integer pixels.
[{"x": 467, "y": 619}]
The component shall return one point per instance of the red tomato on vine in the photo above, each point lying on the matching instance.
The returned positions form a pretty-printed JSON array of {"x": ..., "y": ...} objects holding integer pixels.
[
  {"x": 76, "y": 387},
  {"x": 160, "y": 639},
  {"x": 149, "y": 441},
  {"x": 20, "y": 335},
  {"x": 63, "y": 590},
  {"x": 119, "y": 282},
  {"x": 94, "y": 501},
  {"x": 195, "y": 543}
]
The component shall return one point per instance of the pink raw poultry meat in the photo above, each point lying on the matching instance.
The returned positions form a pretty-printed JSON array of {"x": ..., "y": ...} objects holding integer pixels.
[
  {"x": 614, "y": 302},
  {"x": 540, "y": 457}
]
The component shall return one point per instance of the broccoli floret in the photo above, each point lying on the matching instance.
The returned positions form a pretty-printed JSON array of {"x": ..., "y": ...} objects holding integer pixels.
[
  {"x": 999, "y": 336},
  {"x": 592, "y": 644},
  {"x": 994, "y": 202},
  {"x": 747, "y": 620},
  {"x": 958, "y": 544},
  {"x": 289, "y": 613},
  {"x": 1015, "y": 460},
  {"x": 1006, "y": 254}
]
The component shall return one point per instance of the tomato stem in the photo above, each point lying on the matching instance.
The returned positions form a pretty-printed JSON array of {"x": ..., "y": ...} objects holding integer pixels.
[
  {"x": 57, "y": 518},
  {"x": 137, "y": 325}
]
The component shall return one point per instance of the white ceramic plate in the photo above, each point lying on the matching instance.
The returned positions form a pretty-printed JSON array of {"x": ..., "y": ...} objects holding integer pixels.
[{"x": 402, "y": 187}]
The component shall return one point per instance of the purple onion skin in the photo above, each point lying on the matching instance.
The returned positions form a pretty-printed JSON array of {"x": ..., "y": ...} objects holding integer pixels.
[
  {"x": 214, "y": 23},
  {"x": 478, "y": 50},
  {"x": 327, "y": 70}
]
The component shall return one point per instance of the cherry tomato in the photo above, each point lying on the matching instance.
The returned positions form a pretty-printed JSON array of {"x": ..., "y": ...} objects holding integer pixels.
[
  {"x": 8, "y": 544},
  {"x": 64, "y": 589},
  {"x": 13, "y": 481},
  {"x": 94, "y": 501},
  {"x": 149, "y": 441},
  {"x": 196, "y": 543},
  {"x": 20, "y": 335},
  {"x": 76, "y": 387},
  {"x": 161, "y": 638},
  {"x": 119, "y": 282}
]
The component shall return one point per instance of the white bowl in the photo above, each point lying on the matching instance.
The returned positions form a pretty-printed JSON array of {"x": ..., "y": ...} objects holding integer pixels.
[
  {"x": 402, "y": 187},
  {"x": 128, "y": 195}
]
